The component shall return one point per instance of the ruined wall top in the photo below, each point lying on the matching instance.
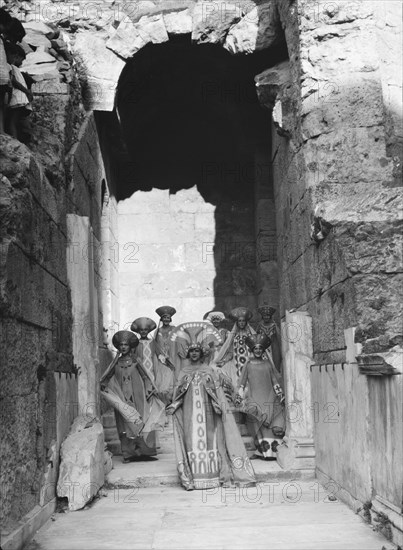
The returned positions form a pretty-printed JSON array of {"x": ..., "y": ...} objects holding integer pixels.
[{"x": 102, "y": 35}]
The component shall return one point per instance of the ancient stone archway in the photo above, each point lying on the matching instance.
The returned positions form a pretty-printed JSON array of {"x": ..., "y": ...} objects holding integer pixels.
[
  {"x": 103, "y": 54},
  {"x": 336, "y": 150}
]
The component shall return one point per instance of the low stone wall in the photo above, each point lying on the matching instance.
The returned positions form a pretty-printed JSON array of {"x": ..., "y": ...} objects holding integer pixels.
[{"x": 357, "y": 422}]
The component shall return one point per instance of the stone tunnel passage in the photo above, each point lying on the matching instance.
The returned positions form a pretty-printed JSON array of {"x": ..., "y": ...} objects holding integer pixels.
[{"x": 190, "y": 161}]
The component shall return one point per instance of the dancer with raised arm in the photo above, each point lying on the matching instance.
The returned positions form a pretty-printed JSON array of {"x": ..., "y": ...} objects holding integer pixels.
[
  {"x": 209, "y": 449},
  {"x": 234, "y": 353}
]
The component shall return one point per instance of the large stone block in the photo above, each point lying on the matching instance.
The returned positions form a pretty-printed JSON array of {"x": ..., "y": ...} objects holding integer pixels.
[
  {"x": 333, "y": 312},
  {"x": 379, "y": 299},
  {"x": 336, "y": 52},
  {"x": 21, "y": 360},
  {"x": 356, "y": 102},
  {"x": 102, "y": 69},
  {"x": 131, "y": 37},
  {"x": 260, "y": 28},
  {"x": 98, "y": 61},
  {"x": 178, "y": 22},
  {"x": 211, "y": 20},
  {"x": 19, "y": 456},
  {"x": 348, "y": 155},
  {"x": 31, "y": 290},
  {"x": 82, "y": 462}
]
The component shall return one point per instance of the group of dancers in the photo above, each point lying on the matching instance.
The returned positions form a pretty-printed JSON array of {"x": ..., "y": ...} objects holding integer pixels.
[{"x": 209, "y": 379}]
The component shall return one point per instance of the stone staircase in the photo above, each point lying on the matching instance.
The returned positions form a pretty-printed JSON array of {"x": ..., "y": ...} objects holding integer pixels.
[{"x": 162, "y": 472}]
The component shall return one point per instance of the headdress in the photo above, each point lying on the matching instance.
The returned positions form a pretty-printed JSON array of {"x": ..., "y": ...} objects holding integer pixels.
[
  {"x": 125, "y": 337},
  {"x": 265, "y": 308},
  {"x": 214, "y": 316},
  {"x": 143, "y": 323},
  {"x": 197, "y": 335},
  {"x": 240, "y": 312},
  {"x": 258, "y": 340},
  {"x": 165, "y": 310}
]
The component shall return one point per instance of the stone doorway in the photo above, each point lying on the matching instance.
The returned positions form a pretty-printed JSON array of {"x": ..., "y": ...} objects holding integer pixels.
[{"x": 190, "y": 153}]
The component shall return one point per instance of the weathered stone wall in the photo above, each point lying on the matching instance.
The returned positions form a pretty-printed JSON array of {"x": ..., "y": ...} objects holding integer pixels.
[
  {"x": 35, "y": 301},
  {"x": 336, "y": 177},
  {"x": 41, "y": 184},
  {"x": 336, "y": 167},
  {"x": 35, "y": 325},
  {"x": 334, "y": 164}
]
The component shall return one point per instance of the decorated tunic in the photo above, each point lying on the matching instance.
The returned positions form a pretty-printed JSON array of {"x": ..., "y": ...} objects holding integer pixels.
[{"x": 209, "y": 448}]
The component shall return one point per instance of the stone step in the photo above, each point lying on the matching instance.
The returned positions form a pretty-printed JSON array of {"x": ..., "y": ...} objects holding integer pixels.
[{"x": 163, "y": 473}]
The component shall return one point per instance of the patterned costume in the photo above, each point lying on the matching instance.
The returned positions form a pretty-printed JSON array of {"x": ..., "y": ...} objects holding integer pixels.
[
  {"x": 145, "y": 349},
  {"x": 209, "y": 449},
  {"x": 235, "y": 344}
]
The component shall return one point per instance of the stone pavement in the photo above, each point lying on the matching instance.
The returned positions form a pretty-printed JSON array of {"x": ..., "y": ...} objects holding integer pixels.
[
  {"x": 145, "y": 508},
  {"x": 281, "y": 515}
]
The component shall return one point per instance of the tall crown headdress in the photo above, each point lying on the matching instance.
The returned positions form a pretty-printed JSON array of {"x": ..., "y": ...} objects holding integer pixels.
[{"x": 197, "y": 335}]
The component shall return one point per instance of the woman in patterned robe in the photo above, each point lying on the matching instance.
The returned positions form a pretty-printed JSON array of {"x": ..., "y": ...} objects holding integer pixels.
[
  {"x": 236, "y": 345},
  {"x": 209, "y": 449}
]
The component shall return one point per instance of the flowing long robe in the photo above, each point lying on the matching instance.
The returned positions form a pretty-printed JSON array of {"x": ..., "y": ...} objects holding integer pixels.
[
  {"x": 208, "y": 446},
  {"x": 138, "y": 413},
  {"x": 164, "y": 375},
  {"x": 263, "y": 404}
]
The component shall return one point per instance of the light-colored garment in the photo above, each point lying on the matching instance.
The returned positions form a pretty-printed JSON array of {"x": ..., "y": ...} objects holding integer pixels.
[
  {"x": 164, "y": 375},
  {"x": 263, "y": 404},
  {"x": 18, "y": 98},
  {"x": 208, "y": 446},
  {"x": 129, "y": 388},
  {"x": 4, "y": 66}
]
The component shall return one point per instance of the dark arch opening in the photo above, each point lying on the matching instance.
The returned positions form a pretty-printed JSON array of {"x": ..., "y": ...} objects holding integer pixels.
[{"x": 188, "y": 115}]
